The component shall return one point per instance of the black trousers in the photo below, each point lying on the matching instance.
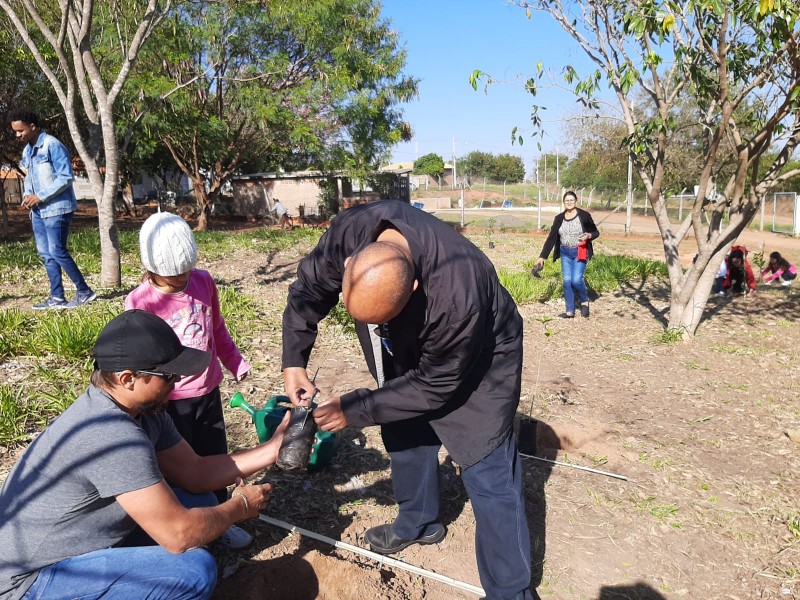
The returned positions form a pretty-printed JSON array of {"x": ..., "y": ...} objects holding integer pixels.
[
  {"x": 201, "y": 423},
  {"x": 494, "y": 486}
]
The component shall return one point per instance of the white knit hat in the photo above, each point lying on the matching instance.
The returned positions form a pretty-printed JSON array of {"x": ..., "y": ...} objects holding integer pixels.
[{"x": 167, "y": 245}]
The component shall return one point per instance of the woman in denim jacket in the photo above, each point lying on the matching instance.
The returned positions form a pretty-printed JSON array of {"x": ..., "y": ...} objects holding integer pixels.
[{"x": 50, "y": 198}]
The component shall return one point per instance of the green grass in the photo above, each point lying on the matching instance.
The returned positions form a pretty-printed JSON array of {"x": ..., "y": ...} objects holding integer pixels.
[
  {"x": 15, "y": 328},
  {"x": 671, "y": 335},
  {"x": 14, "y": 414},
  {"x": 341, "y": 318},
  {"x": 604, "y": 274},
  {"x": 68, "y": 334},
  {"x": 239, "y": 310},
  {"x": 55, "y": 346},
  {"x": 18, "y": 256}
]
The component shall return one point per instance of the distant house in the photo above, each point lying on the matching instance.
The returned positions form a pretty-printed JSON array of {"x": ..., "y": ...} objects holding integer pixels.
[
  {"x": 424, "y": 182},
  {"x": 400, "y": 186},
  {"x": 254, "y": 195},
  {"x": 12, "y": 186}
]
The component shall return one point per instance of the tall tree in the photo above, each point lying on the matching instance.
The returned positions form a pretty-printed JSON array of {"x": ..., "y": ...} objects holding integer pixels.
[
  {"x": 495, "y": 167},
  {"x": 430, "y": 164},
  {"x": 293, "y": 85},
  {"x": 86, "y": 50},
  {"x": 508, "y": 167},
  {"x": 737, "y": 63}
]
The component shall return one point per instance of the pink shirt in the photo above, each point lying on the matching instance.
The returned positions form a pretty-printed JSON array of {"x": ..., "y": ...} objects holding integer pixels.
[
  {"x": 195, "y": 316},
  {"x": 776, "y": 273}
]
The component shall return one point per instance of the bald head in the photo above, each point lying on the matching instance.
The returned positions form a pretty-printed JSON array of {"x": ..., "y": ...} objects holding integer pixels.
[{"x": 378, "y": 281}]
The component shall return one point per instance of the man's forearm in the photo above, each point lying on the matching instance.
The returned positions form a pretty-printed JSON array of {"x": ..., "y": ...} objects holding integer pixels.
[
  {"x": 221, "y": 470},
  {"x": 203, "y": 525}
]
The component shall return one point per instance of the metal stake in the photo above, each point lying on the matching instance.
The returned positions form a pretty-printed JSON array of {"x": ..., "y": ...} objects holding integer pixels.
[{"x": 563, "y": 464}]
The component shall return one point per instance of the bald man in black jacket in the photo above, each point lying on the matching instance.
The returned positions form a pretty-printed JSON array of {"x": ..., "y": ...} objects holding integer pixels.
[{"x": 443, "y": 339}]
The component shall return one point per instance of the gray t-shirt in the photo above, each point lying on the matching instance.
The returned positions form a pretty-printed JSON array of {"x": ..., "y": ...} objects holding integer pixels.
[{"x": 59, "y": 499}]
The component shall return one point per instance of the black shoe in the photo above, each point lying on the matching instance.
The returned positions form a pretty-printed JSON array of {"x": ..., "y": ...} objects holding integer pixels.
[
  {"x": 383, "y": 540},
  {"x": 566, "y": 315},
  {"x": 585, "y": 311}
]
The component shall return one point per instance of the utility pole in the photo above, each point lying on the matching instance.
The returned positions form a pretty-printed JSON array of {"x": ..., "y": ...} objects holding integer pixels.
[
  {"x": 455, "y": 177},
  {"x": 558, "y": 175},
  {"x": 539, "y": 188},
  {"x": 545, "y": 177},
  {"x": 462, "y": 208},
  {"x": 629, "y": 208}
]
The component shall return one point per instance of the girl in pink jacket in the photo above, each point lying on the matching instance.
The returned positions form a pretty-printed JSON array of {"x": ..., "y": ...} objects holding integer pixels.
[
  {"x": 187, "y": 299},
  {"x": 779, "y": 270}
]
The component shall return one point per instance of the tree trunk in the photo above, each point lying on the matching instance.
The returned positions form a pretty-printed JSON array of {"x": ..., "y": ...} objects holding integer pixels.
[
  {"x": 687, "y": 304},
  {"x": 3, "y": 206},
  {"x": 204, "y": 203},
  {"x": 109, "y": 243}
]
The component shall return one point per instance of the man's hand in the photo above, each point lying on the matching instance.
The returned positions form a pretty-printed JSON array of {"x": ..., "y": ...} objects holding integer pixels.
[
  {"x": 298, "y": 386},
  {"x": 329, "y": 415},
  {"x": 273, "y": 445},
  {"x": 30, "y": 201},
  {"x": 256, "y": 496}
]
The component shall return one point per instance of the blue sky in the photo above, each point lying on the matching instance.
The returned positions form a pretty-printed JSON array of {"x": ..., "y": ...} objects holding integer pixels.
[{"x": 445, "y": 41}]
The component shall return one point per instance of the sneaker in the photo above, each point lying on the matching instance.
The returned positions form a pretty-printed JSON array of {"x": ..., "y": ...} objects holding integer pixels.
[
  {"x": 585, "y": 311},
  {"x": 787, "y": 282},
  {"x": 81, "y": 299},
  {"x": 236, "y": 538},
  {"x": 566, "y": 315},
  {"x": 51, "y": 303}
]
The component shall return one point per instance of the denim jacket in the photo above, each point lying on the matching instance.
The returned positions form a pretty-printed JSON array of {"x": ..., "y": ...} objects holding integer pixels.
[{"x": 49, "y": 175}]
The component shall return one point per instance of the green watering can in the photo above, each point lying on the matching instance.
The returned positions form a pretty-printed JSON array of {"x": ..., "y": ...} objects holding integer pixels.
[{"x": 268, "y": 418}]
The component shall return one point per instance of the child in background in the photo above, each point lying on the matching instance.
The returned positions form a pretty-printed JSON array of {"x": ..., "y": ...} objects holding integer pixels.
[
  {"x": 719, "y": 279},
  {"x": 740, "y": 278},
  {"x": 779, "y": 269},
  {"x": 188, "y": 300}
]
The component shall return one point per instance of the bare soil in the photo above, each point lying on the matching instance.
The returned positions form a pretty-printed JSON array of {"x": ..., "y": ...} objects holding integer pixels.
[{"x": 699, "y": 429}]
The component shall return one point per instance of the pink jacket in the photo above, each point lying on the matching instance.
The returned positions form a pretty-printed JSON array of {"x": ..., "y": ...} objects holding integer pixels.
[
  {"x": 777, "y": 273},
  {"x": 195, "y": 316}
]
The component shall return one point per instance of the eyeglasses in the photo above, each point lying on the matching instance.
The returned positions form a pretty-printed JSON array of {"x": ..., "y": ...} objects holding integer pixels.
[{"x": 167, "y": 377}]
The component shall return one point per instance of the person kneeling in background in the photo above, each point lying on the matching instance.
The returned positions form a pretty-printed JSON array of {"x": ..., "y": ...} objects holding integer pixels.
[
  {"x": 779, "y": 270},
  {"x": 740, "y": 279}
]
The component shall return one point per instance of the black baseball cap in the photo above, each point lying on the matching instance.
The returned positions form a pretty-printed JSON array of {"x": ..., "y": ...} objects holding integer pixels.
[{"x": 141, "y": 341}]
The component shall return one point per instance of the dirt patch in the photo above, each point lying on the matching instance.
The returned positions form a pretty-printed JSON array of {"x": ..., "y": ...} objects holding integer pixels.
[{"x": 697, "y": 428}]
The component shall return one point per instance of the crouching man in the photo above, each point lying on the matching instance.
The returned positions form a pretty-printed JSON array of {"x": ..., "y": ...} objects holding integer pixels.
[{"x": 113, "y": 465}]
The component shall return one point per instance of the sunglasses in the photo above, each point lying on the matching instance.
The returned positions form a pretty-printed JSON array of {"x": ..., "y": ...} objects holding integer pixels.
[{"x": 167, "y": 377}]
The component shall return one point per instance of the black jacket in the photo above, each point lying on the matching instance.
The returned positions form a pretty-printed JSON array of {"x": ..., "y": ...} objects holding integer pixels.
[
  {"x": 457, "y": 345},
  {"x": 552, "y": 242}
]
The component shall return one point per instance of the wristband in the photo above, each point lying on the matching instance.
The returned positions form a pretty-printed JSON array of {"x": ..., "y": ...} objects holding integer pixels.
[{"x": 246, "y": 502}]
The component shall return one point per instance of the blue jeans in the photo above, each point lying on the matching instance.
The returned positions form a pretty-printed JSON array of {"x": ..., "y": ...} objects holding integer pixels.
[
  {"x": 122, "y": 573},
  {"x": 51, "y": 235},
  {"x": 572, "y": 271},
  {"x": 494, "y": 486},
  {"x": 132, "y": 571}
]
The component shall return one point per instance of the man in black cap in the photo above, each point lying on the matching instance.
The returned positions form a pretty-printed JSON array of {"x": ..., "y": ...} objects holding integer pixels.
[{"x": 114, "y": 461}]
